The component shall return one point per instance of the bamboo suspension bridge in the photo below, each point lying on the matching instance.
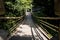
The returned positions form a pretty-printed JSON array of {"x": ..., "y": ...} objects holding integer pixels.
[
  {"x": 29, "y": 30},
  {"x": 29, "y": 27}
]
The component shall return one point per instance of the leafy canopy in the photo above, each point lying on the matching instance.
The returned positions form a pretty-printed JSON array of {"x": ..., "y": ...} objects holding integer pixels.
[{"x": 24, "y": 3}]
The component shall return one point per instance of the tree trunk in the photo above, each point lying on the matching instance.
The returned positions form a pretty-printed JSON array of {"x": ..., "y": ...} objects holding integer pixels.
[{"x": 2, "y": 9}]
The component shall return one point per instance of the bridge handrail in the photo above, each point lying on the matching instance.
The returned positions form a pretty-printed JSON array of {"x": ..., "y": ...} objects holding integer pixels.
[
  {"x": 49, "y": 24},
  {"x": 50, "y": 18},
  {"x": 40, "y": 19},
  {"x": 10, "y": 17},
  {"x": 12, "y": 28},
  {"x": 49, "y": 27},
  {"x": 45, "y": 32}
]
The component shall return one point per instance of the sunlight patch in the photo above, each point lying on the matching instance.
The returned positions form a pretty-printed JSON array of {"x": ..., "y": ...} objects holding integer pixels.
[{"x": 1, "y": 38}]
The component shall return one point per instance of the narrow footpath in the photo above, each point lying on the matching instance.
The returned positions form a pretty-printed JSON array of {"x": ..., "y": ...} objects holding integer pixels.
[{"x": 27, "y": 30}]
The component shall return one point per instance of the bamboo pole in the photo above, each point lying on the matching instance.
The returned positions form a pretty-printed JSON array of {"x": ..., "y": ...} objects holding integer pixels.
[
  {"x": 11, "y": 17},
  {"x": 50, "y": 18}
]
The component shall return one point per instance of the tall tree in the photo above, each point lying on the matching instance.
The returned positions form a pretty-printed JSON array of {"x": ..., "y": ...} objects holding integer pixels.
[{"x": 24, "y": 4}]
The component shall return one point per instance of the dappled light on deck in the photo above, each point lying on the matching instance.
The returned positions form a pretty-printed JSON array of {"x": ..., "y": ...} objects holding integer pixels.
[{"x": 27, "y": 30}]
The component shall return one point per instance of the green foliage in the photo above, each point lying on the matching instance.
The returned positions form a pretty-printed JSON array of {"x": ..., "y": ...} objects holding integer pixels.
[
  {"x": 25, "y": 3},
  {"x": 14, "y": 8},
  {"x": 17, "y": 7},
  {"x": 7, "y": 24}
]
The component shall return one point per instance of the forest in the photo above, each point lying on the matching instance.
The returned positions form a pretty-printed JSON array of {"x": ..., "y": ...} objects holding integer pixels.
[{"x": 39, "y": 10}]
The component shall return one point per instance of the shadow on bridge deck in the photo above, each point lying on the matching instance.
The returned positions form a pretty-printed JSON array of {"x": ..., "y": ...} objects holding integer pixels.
[{"x": 17, "y": 37}]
